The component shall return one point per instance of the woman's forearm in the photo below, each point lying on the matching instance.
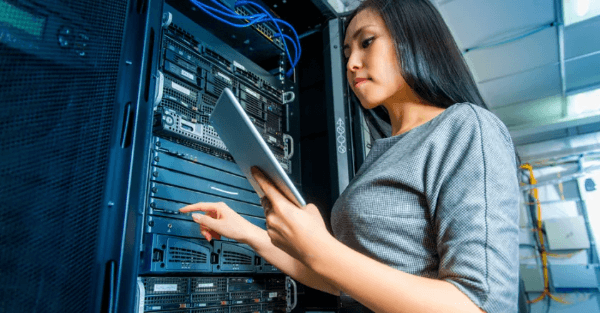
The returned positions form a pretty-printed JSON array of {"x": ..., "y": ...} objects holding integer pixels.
[
  {"x": 382, "y": 288},
  {"x": 261, "y": 243}
]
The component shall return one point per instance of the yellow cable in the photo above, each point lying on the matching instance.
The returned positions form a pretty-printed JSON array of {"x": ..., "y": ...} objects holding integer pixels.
[
  {"x": 563, "y": 255},
  {"x": 544, "y": 255}
]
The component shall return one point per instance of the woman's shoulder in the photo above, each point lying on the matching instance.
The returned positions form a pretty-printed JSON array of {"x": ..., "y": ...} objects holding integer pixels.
[
  {"x": 469, "y": 116},
  {"x": 472, "y": 113}
]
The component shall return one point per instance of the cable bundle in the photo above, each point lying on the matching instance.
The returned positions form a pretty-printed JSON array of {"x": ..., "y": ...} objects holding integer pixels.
[
  {"x": 264, "y": 17},
  {"x": 543, "y": 253}
]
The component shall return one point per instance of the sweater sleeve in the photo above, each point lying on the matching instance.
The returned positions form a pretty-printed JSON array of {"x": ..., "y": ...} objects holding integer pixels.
[{"x": 476, "y": 213}]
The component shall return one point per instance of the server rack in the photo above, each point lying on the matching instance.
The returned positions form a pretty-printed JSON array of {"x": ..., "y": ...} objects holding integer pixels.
[
  {"x": 188, "y": 163},
  {"x": 162, "y": 154}
]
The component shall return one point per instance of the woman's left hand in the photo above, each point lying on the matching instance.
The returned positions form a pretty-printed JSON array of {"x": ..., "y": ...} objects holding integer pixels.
[{"x": 299, "y": 231}]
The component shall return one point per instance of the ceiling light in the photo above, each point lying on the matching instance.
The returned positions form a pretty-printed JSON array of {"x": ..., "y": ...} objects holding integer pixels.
[{"x": 583, "y": 7}]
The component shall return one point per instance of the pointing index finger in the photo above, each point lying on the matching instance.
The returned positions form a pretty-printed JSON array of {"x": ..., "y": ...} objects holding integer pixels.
[{"x": 200, "y": 206}]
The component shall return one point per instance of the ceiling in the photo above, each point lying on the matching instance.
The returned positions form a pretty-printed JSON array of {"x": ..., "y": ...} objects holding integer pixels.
[
  {"x": 528, "y": 68},
  {"x": 536, "y": 63},
  {"x": 525, "y": 79}
]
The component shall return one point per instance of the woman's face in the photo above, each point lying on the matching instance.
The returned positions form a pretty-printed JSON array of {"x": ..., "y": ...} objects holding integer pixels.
[{"x": 372, "y": 69}]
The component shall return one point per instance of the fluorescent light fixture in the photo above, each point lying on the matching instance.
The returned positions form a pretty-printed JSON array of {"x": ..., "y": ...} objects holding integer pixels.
[
  {"x": 582, "y": 7},
  {"x": 576, "y": 11},
  {"x": 585, "y": 103}
]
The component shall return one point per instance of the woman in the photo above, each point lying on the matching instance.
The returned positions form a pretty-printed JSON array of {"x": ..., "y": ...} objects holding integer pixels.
[{"x": 429, "y": 223}]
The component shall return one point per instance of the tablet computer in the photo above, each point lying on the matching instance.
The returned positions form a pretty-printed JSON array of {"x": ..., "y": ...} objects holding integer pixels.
[{"x": 247, "y": 146}]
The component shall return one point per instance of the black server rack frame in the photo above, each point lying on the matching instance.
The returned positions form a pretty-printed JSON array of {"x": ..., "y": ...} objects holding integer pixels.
[{"x": 187, "y": 165}]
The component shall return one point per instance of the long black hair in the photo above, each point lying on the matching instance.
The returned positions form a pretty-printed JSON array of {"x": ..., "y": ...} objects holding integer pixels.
[{"x": 430, "y": 61}]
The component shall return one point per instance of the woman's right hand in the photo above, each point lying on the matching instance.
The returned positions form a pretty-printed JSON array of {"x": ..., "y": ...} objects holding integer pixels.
[{"x": 220, "y": 220}]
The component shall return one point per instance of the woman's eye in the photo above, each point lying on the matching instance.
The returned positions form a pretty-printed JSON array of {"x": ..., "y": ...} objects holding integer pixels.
[{"x": 367, "y": 42}]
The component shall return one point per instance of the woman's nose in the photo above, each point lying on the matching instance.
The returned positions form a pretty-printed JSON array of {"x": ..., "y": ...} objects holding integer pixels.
[{"x": 354, "y": 62}]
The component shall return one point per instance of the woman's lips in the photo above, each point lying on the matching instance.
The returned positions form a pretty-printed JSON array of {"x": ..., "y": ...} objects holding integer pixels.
[{"x": 359, "y": 81}]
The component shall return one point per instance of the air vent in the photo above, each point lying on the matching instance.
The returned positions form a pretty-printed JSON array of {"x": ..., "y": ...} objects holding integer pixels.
[
  {"x": 273, "y": 122},
  {"x": 207, "y": 284},
  {"x": 220, "y": 85},
  {"x": 245, "y": 295},
  {"x": 179, "y": 108},
  {"x": 217, "y": 57},
  {"x": 165, "y": 299},
  {"x": 209, "y": 297},
  {"x": 203, "y": 120},
  {"x": 210, "y": 100},
  {"x": 186, "y": 255},
  {"x": 231, "y": 257},
  {"x": 206, "y": 109},
  {"x": 253, "y": 107},
  {"x": 272, "y": 90},
  {"x": 248, "y": 75},
  {"x": 209, "y": 310},
  {"x": 180, "y": 90},
  {"x": 245, "y": 308}
]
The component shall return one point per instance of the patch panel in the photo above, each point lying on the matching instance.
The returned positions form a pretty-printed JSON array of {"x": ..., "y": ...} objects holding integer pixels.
[{"x": 263, "y": 29}]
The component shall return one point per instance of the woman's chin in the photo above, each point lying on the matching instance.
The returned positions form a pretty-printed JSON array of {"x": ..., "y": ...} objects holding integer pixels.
[{"x": 369, "y": 105}]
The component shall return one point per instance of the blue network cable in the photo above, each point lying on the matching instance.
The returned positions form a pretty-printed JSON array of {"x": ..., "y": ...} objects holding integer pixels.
[
  {"x": 207, "y": 9},
  {"x": 254, "y": 19},
  {"x": 232, "y": 14},
  {"x": 276, "y": 21},
  {"x": 219, "y": 4},
  {"x": 296, "y": 56}
]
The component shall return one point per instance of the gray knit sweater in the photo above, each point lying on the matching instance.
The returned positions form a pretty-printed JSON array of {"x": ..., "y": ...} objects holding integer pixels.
[{"x": 441, "y": 201}]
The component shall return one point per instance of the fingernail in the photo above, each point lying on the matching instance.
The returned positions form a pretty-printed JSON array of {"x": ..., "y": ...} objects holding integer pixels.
[{"x": 196, "y": 216}]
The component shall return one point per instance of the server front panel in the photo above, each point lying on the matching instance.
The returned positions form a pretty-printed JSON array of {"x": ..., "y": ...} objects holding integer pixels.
[{"x": 180, "y": 271}]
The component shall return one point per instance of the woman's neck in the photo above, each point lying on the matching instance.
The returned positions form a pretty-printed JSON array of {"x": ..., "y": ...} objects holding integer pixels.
[{"x": 408, "y": 111}]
